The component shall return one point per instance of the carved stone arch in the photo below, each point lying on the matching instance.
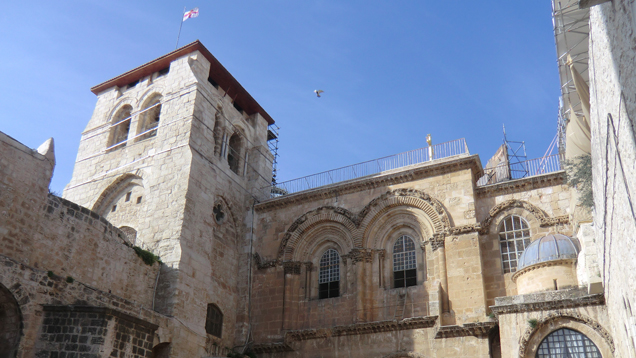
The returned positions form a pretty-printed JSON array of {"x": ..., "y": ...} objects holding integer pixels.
[
  {"x": 435, "y": 211},
  {"x": 510, "y": 207},
  {"x": 321, "y": 231},
  {"x": 404, "y": 355},
  {"x": 308, "y": 220},
  {"x": 125, "y": 100},
  {"x": 150, "y": 93},
  {"x": 553, "y": 321},
  {"x": 115, "y": 188},
  {"x": 395, "y": 219}
]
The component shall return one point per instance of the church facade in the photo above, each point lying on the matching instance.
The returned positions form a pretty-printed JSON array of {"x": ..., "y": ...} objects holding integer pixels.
[{"x": 171, "y": 241}]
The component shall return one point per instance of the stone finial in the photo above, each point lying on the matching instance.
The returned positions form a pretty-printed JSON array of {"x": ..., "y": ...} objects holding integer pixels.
[{"x": 47, "y": 149}]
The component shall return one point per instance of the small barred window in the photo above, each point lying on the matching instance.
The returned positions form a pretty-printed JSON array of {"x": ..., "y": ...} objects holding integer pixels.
[
  {"x": 329, "y": 275},
  {"x": 214, "y": 321},
  {"x": 404, "y": 263},
  {"x": 514, "y": 237}
]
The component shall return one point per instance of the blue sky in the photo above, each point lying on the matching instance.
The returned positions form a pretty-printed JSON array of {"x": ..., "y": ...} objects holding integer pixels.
[{"x": 392, "y": 71}]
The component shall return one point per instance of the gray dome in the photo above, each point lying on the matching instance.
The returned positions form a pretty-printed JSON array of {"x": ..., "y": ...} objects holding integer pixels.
[{"x": 548, "y": 248}]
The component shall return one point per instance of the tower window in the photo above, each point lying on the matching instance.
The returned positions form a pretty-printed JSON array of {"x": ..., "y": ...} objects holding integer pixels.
[
  {"x": 128, "y": 194},
  {"x": 163, "y": 72},
  {"x": 120, "y": 127},
  {"x": 150, "y": 117},
  {"x": 213, "y": 82},
  {"x": 139, "y": 200},
  {"x": 404, "y": 263},
  {"x": 238, "y": 108},
  {"x": 214, "y": 321},
  {"x": 132, "y": 84},
  {"x": 514, "y": 237},
  {"x": 329, "y": 275},
  {"x": 113, "y": 209},
  {"x": 233, "y": 154}
]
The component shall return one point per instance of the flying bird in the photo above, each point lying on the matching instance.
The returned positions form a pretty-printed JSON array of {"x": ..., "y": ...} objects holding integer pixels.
[{"x": 318, "y": 92}]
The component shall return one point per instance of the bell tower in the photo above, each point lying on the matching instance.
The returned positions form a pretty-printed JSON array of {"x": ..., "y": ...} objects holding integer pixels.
[{"x": 175, "y": 154}]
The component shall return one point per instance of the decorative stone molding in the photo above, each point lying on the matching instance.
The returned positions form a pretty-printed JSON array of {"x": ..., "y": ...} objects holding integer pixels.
[
  {"x": 113, "y": 189},
  {"x": 521, "y": 185},
  {"x": 261, "y": 265},
  {"x": 543, "y": 264},
  {"x": 574, "y": 316},
  {"x": 355, "y": 224},
  {"x": 360, "y": 255},
  {"x": 381, "y": 253},
  {"x": 550, "y": 304},
  {"x": 275, "y": 347},
  {"x": 479, "y": 330},
  {"x": 543, "y": 218},
  {"x": 465, "y": 229},
  {"x": 361, "y": 328},
  {"x": 309, "y": 265},
  {"x": 398, "y": 176},
  {"x": 437, "y": 242},
  {"x": 292, "y": 267}
]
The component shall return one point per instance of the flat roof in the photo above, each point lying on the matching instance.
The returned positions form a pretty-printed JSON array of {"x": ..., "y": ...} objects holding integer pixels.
[{"x": 218, "y": 73}]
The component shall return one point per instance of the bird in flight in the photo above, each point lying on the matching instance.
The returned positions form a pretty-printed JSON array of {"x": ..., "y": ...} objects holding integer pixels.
[{"x": 318, "y": 92}]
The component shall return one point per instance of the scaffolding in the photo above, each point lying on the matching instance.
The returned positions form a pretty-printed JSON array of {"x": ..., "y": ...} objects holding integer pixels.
[
  {"x": 517, "y": 157},
  {"x": 571, "y": 36},
  {"x": 272, "y": 143}
]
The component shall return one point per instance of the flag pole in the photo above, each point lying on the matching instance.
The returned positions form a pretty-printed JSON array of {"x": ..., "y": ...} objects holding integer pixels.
[{"x": 180, "y": 25}]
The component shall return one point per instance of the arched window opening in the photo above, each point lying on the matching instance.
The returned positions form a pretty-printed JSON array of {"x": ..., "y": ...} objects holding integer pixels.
[
  {"x": 150, "y": 118},
  {"x": 214, "y": 321},
  {"x": 329, "y": 276},
  {"x": 234, "y": 152},
  {"x": 10, "y": 321},
  {"x": 404, "y": 263},
  {"x": 567, "y": 343},
  {"x": 514, "y": 237},
  {"x": 120, "y": 127}
]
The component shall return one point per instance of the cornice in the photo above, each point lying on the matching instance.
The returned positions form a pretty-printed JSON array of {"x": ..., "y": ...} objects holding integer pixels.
[
  {"x": 523, "y": 184},
  {"x": 479, "y": 330},
  {"x": 573, "y": 302},
  {"x": 542, "y": 264},
  {"x": 276, "y": 347},
  {"x": 393, "y": 177},
  {"x": 361, "y": 328}
]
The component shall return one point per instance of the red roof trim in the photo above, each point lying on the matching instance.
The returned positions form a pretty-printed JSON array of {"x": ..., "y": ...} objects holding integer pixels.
[{"x": 217, "y": 72}]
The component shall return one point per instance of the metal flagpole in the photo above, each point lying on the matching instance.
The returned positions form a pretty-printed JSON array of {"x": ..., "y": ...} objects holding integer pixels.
[{"x": 180, "y": 25}]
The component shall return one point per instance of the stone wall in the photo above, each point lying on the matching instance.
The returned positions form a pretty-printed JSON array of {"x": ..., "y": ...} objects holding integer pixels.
[{"x": 613, "y": 116}]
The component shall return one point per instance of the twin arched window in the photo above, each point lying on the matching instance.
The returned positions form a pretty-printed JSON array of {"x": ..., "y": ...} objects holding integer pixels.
[
  {"x": 567, "y": 343},
  {"x": 404, "y": 263},
  {"x": 514, "y": 237},
  {"x": 329, "y": 275},
  {"x": 120, "y": 127},
  {"x": 404, "y": 268},
  {"x": 148, "y": 122}
]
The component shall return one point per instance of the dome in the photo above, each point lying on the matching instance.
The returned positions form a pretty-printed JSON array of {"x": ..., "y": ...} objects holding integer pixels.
[{"x": 549, "y": 248}]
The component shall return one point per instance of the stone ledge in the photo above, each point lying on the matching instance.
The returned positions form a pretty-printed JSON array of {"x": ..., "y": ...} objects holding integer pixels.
[
  {"x": 100, "y": 310},
  {"x": 361, "y": 328},
  {"x": 524, "y": 184},
  {"x": 546, "y": 301},
  {"x": 393, "y": 177},
  {"x": 275, "y": 347},
  {"x": 479, "y": 330}
]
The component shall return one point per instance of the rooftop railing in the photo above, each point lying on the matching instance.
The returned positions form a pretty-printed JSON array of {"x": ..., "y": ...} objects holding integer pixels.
[
  {"x": 371, "y": 167},
  {"x": 527, "y": 168}
]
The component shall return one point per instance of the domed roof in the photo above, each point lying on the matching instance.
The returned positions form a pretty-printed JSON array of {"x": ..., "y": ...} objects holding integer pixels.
[{"x": 548, "y": 248}]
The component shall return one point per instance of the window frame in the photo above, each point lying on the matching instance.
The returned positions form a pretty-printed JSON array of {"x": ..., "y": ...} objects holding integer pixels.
[
  {"x": 518, "y": 237},
  {"x": 544, "y": 348},
  {"x": 214, "y": 321},
  {"x": 407, "y": 276},
  {"x": 328, "y": 287}
]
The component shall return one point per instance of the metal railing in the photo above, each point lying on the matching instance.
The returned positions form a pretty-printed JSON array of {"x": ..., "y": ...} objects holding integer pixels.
[
  {"x": 511, "y": 171},
  {"x": 421, "y": 155}
]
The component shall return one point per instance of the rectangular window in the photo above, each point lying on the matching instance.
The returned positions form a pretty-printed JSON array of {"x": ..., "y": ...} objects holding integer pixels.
[
  {"x": 139, "y": 200},
  {"x": 114, "y": 208},
  {"x": 132, "y": 84},
  {"x": 405, "y": 278},
  {"x": 238, "y": 108},
  {"x": 213, "y": 82},
  {"x": 163, "y": 72},
  {"x": 128, "y": 194},
  {"x": 329, "y": 289}
]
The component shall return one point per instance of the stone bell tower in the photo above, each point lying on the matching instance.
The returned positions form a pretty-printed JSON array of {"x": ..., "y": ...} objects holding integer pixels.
[{"x": 174, "y": 155}]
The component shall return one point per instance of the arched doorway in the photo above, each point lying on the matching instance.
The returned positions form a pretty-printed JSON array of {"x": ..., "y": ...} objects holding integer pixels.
[
  {"x": 161, "y": 350},
  {"x": 10, "y": 323},
  {"x": 567, "y": 343}
]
